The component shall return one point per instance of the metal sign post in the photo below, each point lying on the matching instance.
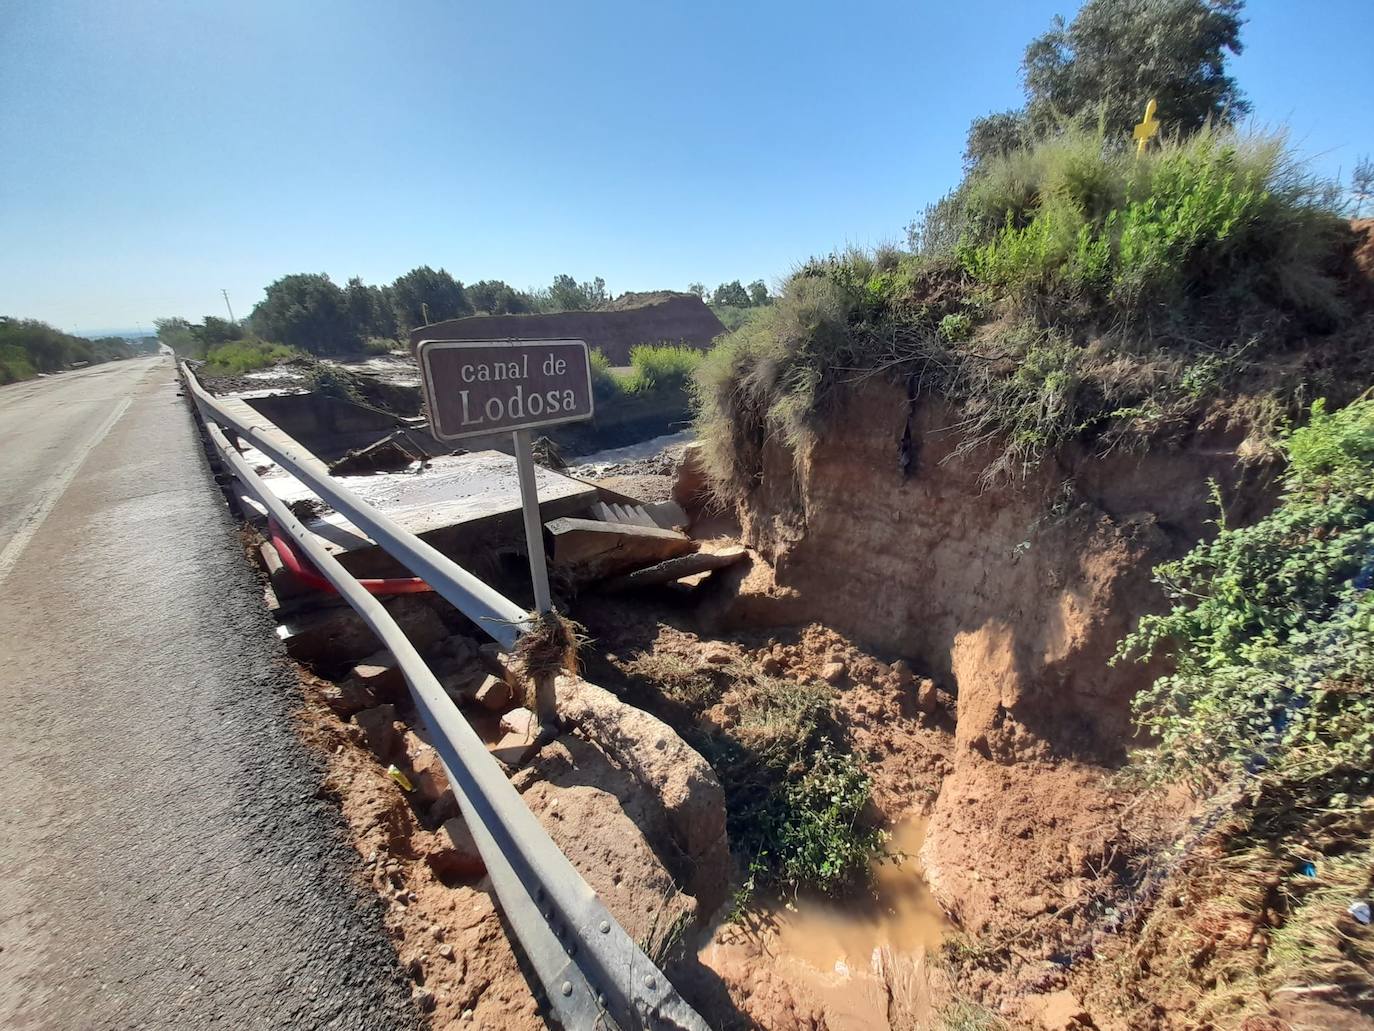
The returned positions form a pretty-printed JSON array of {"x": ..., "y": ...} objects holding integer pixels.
[{"x": 477, "y": 387}]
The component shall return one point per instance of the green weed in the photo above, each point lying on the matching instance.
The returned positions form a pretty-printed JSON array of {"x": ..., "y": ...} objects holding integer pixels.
[{"x": 236, "y": 357}]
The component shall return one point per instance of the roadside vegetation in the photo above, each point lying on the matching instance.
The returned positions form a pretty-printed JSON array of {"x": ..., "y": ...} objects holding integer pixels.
[
  {"x": 1067, "y": 290},
  {"x": 795, "y": 792},
  {"x": 1269, "y": 709},
  {"x": 236, "y": 357},
  {"x": 29, "y": 347},
  {"x": 660, "y": 370}
]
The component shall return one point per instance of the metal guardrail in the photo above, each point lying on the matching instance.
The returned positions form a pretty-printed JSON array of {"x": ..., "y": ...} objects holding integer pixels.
[
  {"x": 593, "y": 974},
  {"x": 497, "y": 615}
]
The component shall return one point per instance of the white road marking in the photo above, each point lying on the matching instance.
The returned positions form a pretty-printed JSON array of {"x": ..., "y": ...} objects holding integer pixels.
[{"x": 52, "y": 494}]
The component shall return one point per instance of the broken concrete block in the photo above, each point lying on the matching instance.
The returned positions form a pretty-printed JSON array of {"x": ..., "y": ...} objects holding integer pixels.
[
  {"x": 603, "y": 843},
  {"x": 349, "y": 698},
  {"x": 588, "y": 549},
  {"x": 380, "y": 732},
  {"x": 677, "y": 568},
  {"x": 337, "y": 637},
  {"x": 427, "y": 770},
  {"x": 672, "y": 773},
  {"x": 667, "y": 514},
  {"x": 494, "y": 695},
  {"x": 380, "y": 672},
  {"x": 521, "y": 721},
  {"x": 462, "y": 684},
  {"x": 285, "y": 583},
  {"x": 514, "y": 749},
  {"x": 458, "y": 859}
]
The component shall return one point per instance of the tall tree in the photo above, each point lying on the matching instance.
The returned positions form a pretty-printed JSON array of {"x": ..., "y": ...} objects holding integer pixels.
[
  {"x": 368, "y": 309},
  {"x": 731, "y": 294},
  {"x": 758, "y": 293},
  {"x": 424, "y": 290},
  {"x": 495, "y": 297},
  {"x": 1115, "y": 56},
  {"x": 308, "y": 311},
  {"x": 567, "y": 294},
  {"x": 697, "y": 288}
]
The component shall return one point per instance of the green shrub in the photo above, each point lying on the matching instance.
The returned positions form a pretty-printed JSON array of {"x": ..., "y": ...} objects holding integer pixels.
[
  {"x": 1272, "y": 630},
  {"x": 15, "y": 364},
  {"x": 812, "y": 826},
  {"x": 236, "y": 357},
  {"x": 662, "y": 367},
  {"x": 1091, "y": 295},
  {"x": 1076, "y": 219},
  {"x": 380, "y": 345},
  {"x": 956, "y": 327},
  {"x": 606, "y": 385}
]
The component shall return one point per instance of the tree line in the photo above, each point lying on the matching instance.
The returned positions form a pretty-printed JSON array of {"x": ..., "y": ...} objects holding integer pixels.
[
  {"x": 312, "y": 313},
  {"x": 29, "y": 348},
  {"x": 733, "y": 294}
]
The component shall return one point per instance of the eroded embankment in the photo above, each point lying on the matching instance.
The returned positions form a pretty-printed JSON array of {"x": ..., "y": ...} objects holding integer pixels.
[{"x": 1013, "y": 600}]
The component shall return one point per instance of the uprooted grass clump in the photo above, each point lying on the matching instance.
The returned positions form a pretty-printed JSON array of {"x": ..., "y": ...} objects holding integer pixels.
[
  {"x": 549, "y": 646},
  {"x": 1069, "y": 290}
]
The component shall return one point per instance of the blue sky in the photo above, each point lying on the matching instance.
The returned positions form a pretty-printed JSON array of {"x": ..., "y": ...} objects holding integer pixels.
[{"x": 154, "y": 153}]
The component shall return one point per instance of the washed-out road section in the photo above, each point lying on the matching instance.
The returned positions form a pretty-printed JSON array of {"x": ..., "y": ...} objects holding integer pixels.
[{"x": 165, "y": 860}]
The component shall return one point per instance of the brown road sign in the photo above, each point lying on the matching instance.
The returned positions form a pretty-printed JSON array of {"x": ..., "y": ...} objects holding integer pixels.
[{"x": 474, "y": 387}]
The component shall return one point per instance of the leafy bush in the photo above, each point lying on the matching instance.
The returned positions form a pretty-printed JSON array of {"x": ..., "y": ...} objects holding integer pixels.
[
  {"x": 379, "y": 345},
  {"x": 812, "y": 828},
  {"x": 239, "y": 356},
  {"x": 15, "y": 364},
  {"x": 664, "y": 367},
  {"x": 1272, "y": 630},
  {"x": 795, "y": 795}
]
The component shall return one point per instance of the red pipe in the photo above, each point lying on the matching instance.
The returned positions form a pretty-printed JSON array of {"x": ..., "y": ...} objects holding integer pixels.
[{"x": 308, "y": 576}]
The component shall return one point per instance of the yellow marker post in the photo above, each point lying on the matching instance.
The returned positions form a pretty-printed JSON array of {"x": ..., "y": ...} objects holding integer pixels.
[{"x": 1149, "y": 126}]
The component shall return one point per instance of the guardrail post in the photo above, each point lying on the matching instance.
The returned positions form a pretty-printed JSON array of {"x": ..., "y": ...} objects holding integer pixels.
[{"x": 545, "y": 699}]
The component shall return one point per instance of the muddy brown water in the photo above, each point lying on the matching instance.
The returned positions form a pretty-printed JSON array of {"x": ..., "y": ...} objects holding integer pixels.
[{"x": 862, "y": 960}]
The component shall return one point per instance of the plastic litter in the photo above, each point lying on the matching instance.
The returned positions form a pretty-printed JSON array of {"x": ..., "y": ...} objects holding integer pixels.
[
  {"x": 1360, "y": 911},
  {"x": 1308, "y": 869},
  {"x": 400, "y": 778}
]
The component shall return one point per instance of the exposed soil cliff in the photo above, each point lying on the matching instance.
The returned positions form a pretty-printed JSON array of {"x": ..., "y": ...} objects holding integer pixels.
[{"x": 1015, "y": 596}]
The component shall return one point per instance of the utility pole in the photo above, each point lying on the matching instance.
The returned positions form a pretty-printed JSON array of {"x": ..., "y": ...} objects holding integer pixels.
[{"x": 228, "y": 305}]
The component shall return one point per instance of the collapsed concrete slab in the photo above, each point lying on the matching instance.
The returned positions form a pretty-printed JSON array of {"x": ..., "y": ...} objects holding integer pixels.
[
  {"x": 672, "y": 775},
  {"x": 588, "y": 549},
  {"x": 677, "y": 568}
]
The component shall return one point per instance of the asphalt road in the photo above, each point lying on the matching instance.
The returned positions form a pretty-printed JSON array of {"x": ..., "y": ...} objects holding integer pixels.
[{"x": 165, "y": 861}]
